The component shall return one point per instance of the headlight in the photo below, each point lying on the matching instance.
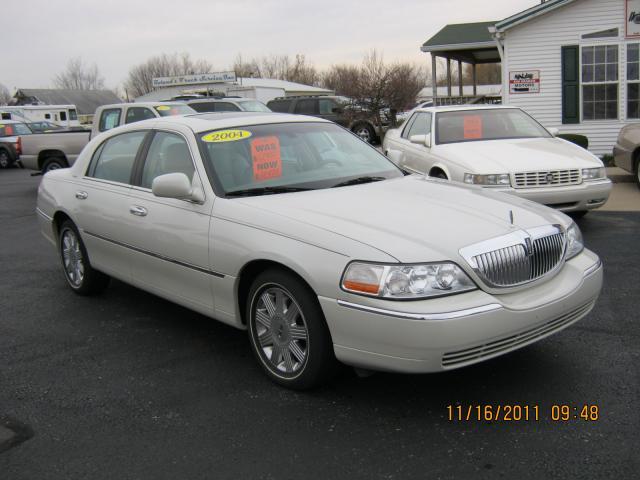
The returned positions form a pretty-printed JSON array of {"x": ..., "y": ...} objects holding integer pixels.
[
  {"x": 497, "y": 179},
  {"x": 574, "y": 241},
  {"x": 405, "y": 282},
  {"x": 594, "y": 173}
]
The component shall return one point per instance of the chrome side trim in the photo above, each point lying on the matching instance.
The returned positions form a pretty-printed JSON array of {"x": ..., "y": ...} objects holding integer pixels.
[
  {"x": 42, "y": 214},
  {"x": 593, "y": 268},
  {"x": 156, "y": 255},
  {"x": 423, "y": 316}
]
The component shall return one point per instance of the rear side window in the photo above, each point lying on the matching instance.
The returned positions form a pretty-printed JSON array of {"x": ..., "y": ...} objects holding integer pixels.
[
  {"x": 114, "y": 159},
  {"x": 63, "y": 116},
  {"x": 73, "y": 115},
  {"x": 137, "y": 114},
  {"x": 168, "y": 153},
  {"x": 327, "y": 106},
  {"x": 281, "y": 106},
  {"x": 226, "y": 107},
  {"x": 203, "y": 107},
  {"x": 307, "y": 107},
  {"x": 109, "y": 119}
]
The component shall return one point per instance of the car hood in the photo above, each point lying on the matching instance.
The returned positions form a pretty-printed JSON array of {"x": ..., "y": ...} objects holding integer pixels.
[
  {"x": 412, "y": 219},
  {"x": 518, "y": 155}
]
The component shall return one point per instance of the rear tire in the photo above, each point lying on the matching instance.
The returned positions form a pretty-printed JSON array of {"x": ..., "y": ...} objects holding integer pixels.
[
  {"x": 365, "y": 132},
  {"x": 439, "y": 174},
  {"x": 80, "y": 275},
  {"x": 54, "y": 163},
  {"x": 5, "y": 159},
  {"x": 288, "y": 332}
]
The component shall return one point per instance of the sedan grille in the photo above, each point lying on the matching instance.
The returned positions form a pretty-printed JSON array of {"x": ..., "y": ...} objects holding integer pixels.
[
  {"x": 517, "y": 258},
  {"x": 547, "y": 178}
]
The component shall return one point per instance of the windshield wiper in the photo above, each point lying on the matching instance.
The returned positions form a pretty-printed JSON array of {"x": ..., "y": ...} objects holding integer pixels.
[
  {"x": 359, "y": 180},
  {"x": 264, "y": 191}
]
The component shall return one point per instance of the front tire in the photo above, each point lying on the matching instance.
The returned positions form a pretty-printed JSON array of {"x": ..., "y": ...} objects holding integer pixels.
[
  {"x": 638, "y": 173},
  {"x": 79, "y": 273},
  {"x": 287, "y": 331},
  {"x": 365, "y": 132}
]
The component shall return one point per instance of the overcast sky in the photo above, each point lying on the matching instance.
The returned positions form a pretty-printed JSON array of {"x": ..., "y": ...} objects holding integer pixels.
[{"x": 38, "y": 37}]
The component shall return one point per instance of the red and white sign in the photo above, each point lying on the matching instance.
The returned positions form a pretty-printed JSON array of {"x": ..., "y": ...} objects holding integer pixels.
[
  {"x": 632, "y": 24},
  {"x": 267, "y": 163},
  {"x": 526, "y": 81}
]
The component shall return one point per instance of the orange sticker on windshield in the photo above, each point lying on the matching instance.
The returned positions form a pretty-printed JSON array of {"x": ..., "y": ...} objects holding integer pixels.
[
  {"x": 472, "y": 127},
  {"x": 267, "y": 163}
]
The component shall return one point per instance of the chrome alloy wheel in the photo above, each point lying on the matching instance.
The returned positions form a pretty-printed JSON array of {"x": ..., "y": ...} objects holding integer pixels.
[
  {"x": 364, "y": 133},
  {"x": 280, "y": 331},
  {"x": 72, "y": 259}
]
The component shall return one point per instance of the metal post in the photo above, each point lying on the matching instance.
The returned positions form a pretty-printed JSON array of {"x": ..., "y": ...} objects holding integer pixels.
[
  {"x": 449, "y": 77},
  {"x": 475, "y": 81},
  {"x": 460, "y": 92},
  {"x": 434, "y": 80}
]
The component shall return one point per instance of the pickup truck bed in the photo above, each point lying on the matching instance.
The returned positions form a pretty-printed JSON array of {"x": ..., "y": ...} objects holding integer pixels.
[{"x": 49, "y": 151}]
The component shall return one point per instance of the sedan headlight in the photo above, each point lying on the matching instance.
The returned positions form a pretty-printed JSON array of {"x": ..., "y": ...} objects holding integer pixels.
[
  {"x": 497, "y": 179},
  {"x": 575, "y": 244},
  {"x": 405, "y": 282},
  {"x": 594, "y": 173}
]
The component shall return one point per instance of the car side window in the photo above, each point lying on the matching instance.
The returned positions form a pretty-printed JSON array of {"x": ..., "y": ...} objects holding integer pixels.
[
  {"x": 307, "y": 107},
  {"x": 326, "y": 106},
  {"x": 226, "y": 107},
  {"x": 203, "y": 107},
  {"x": 109, "y": 119},
  {"x": 114, "y": 159},
  {"x": 281, "y": 106},
  {"x": 137, "y": 114},
  {"x": 168, "y": 153},
  {"x": 407, "y": 126},
  {"x": 421, "y": 125},
  {"x": 63, "y": 116}
]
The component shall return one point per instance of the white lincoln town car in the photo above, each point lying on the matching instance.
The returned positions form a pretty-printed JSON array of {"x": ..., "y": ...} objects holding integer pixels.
[
  {"x": 501, "y": 148},
  {"x": 321, "y": 248}
]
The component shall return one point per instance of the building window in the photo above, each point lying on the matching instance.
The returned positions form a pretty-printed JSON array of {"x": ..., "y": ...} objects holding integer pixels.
[
  {"x": 600, "y": 82},
  {"x": 633, "y": 80}
]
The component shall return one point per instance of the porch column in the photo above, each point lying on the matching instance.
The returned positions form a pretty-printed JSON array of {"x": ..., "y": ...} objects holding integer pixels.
[
  {"x": 475, "y": 81},
  {"x": 448, "y": 77},
  {"x": 434, "y": 79},
  {"x": 460, "y": 92}
]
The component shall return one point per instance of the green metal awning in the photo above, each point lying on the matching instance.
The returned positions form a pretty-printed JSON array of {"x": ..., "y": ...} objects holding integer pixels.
[{"x": 467, "y": 42}]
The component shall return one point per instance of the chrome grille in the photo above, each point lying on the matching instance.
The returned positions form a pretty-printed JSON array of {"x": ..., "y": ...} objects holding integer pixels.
[
  {"x": 547, "y": 178},
  {"x": 517, "y": 258}
]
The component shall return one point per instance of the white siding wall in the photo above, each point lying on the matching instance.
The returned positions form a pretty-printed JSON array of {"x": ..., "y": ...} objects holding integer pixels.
[{"x": 536, "y": 45}]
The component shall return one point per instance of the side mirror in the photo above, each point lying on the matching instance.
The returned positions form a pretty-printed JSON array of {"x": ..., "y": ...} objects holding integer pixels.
[
  {"x": 421, "y": 140},
  {"x": 175, "y": 185},
  {"x": 553, "y": 131}
]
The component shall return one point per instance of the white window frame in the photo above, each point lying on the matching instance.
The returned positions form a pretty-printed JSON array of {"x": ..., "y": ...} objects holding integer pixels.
[
  {"x": 627, "y": 81},
  {"x": 617, "y": 82}
]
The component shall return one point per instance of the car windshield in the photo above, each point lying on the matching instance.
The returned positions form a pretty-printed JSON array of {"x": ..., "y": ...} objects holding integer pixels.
[
  {"x": 489, "y": 124},
  {"x": 11, "y": 129},
  {"x": 254, "y": 106},
  {"x": 170, "y": 110},
  {"x": 291, "y": 156}
]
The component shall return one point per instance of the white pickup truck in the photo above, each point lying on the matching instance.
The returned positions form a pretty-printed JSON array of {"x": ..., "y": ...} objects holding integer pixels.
[{"x": 53, "y": 150}]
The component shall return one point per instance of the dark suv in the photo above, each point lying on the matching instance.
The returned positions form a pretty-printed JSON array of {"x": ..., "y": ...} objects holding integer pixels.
[{"x": 340, "y": 110}]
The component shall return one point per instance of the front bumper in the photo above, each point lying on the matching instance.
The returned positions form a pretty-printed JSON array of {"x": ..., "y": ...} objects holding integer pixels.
[
  {"x": 452, "y": 332},
  {"x": 570, "y": 198}
]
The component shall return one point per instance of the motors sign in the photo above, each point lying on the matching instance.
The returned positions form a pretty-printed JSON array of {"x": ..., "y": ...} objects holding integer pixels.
[
  {"x": 632, "y": 25},
  {"x": 219, "y": 77},
  {"x": 524, "y": 81}
]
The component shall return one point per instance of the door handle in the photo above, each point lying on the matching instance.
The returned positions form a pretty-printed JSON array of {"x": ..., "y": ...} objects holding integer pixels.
[
  {"x": 139, "y": 211},
  {"x": 81, "y": 195}
]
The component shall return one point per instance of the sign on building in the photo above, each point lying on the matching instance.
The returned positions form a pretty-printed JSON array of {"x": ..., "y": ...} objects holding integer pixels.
[
  {"x": 219, "y": 77},
  {"x": 632, "y": 28},
  {"x": 524, "y": 81}
]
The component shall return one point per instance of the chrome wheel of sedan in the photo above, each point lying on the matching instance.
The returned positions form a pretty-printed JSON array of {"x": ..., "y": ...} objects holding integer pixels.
[
  {"x": 281, "y": 330},
  {"x": 72, "y": 258}
]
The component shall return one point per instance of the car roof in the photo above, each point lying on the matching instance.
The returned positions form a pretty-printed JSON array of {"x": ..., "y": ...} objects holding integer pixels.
[
  {"x": 457, "y": 108},
  {"x": 201, "y": 122},
  {"x": 176, "y": 103},
  {"x": 218, "y": 100}
]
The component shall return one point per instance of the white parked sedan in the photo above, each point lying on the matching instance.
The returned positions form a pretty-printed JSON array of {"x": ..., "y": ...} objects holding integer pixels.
[
  {"x": 294, "y": 229},
  {"x": 501, "y": 148}
]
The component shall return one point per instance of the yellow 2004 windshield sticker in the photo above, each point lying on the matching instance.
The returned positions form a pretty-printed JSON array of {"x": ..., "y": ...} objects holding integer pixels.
[
  {"x": 225, "y": 136},
  {"x": 163, "y": 107}
]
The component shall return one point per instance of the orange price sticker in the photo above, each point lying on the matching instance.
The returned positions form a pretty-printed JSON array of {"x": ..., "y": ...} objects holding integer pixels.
[
  {"x": 267, "y": 163},
  {"x": 472, "y": 127}
]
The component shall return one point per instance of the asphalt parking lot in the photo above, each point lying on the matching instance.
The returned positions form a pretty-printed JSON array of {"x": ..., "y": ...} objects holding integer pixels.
[{"x": 127, "y": 385}]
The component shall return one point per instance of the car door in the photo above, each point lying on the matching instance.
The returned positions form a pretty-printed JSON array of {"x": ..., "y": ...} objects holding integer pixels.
[
  {"x": 170, "y": 237},
  {"x": 102, "y": 196},
  {"x": 416, "y": 157}
]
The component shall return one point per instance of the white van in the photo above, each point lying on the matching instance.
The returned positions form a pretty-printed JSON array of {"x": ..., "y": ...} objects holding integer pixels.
[{"x": 63, "y": 115}]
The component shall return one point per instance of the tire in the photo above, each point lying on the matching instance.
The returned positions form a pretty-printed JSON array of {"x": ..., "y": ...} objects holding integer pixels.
[
  {"x": 293, "y": 346},
  {"x": 54, "y": 163},
  {"x": 77, "y": 269},
  {"x": 638, "y": 173},
  {"x": 365, "y": 132},
  {"x": 439, "y": 174},
  {"x": 5, "y": 159}
]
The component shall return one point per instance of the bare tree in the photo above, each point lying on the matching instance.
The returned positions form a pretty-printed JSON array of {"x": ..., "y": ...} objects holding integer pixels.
[
  {"x": 247, "y": 69},
  {"x": 280, "y": 67},
  {"x": 5, "y": 96},
  {"x": 140, "y": 78},
  {"x": 342, "y": 79},
  {"x": 78, "y": 76}
]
